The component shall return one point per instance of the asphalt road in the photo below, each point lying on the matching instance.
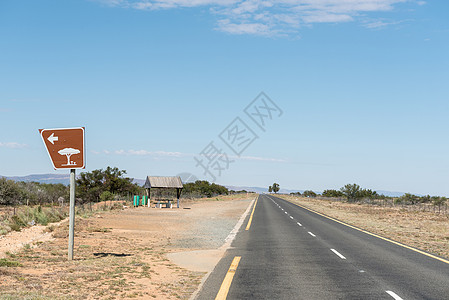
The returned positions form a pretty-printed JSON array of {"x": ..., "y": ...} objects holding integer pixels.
[{"x": 292, "y": 253}]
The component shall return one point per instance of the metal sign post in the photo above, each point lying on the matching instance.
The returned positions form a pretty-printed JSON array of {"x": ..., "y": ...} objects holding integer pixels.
[
  {"x": 65, "y": 147},
  {"x": 72, "y": 213}
]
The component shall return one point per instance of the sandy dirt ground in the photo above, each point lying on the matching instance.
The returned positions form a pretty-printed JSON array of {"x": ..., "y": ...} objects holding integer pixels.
[
  {"x": 122, "y": 254},
  {"x": 32, "y": 236},
  {"x": 423, "y": 230}
]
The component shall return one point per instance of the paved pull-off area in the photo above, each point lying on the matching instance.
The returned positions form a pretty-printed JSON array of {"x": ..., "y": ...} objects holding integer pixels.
[{"x": 289, "y": 252}]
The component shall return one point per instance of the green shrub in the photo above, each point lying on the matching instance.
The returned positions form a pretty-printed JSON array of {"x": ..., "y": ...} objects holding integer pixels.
[
  {"x": 4, "y": 231},
  {"x": 16, "y": 223},
  {"x": 19, "y": 220},
  {"x": 8, "y": 263},
  {"x": 41, "y": 217},
  {"x": 14, "y": 227},
  {"x": 53, "y": 216},
  {"x": 106, "y": 196}
]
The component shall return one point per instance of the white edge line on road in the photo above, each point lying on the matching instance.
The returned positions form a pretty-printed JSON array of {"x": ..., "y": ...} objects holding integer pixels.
[
  {"x": 312, "y": 234},
  {"x": 373, "y": 234},
  {"x": 299, "y": 223},
  {"x": 393, "y": 294},
  {"x": 338, "y": 254}
]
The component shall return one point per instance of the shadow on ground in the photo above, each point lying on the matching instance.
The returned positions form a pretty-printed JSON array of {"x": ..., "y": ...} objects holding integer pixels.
[{"x": 106, "y": 254}]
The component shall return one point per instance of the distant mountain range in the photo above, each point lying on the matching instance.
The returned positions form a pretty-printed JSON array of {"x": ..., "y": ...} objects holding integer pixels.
[
  {"x": 65, "y": 179},
  {"x": 43, "y": 178},
  {"x": 53, "y": 178},
  {"x": 260, "y": 189}
]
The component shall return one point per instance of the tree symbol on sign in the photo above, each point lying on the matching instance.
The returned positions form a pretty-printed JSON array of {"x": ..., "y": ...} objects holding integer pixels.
[{"x": 69, "y": 152}]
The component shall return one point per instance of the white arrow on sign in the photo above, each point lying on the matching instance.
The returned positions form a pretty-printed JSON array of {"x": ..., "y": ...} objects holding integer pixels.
[{"x": 52, "y": 138}]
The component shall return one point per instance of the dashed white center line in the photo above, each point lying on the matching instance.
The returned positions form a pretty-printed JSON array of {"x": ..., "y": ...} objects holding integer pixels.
[
  {"x": 286, "y": 213},
  {"x": 312, "y": 234},
  {"x": 393, "y": 294},
  {"x": 291, "y": 217},
  {"x": 338, "y": 254},
  {"x": 299, "y": 223}
]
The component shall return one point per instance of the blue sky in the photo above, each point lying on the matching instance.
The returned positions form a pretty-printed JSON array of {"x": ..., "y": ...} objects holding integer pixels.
[{"x": 362, "y": 85}]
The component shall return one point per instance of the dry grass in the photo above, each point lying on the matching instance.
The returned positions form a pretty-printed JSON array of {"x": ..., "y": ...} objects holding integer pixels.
[
  {"x": 118, "y": 255},
  {"x": 105, "y": 267},
  {"x": 423, "y": 230},
  {"x": 218, "y": 198}
]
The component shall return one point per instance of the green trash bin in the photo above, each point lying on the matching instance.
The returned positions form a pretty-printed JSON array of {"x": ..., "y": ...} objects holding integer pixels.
[{"x": 136, "y": 201}]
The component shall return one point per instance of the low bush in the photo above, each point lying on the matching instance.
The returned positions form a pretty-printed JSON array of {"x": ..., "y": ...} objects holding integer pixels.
[
  {"x": 8, "y": 263},
  {"x": 31, "y": 216}
]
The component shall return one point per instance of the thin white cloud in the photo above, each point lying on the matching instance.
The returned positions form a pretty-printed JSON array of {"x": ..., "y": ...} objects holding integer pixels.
[
  {"x": 226, "y": 25},
  {"x": 156, "y": 153},
  {"x": 251, "y": 158},
  {"x": 12, "y": 145},
  {"x": 380, "y": 24},
  {"x": 132, "y": 152},
  {"x": 257, "y": 158},
  {"x": 118, "y": 152},
  {"x": 324, "y": 17},
  {"x": 270, "y": 17},
  {"x": 174, "y": 154}
]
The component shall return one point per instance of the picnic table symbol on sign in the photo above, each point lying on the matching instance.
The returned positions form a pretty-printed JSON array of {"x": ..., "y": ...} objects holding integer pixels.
[{"x": 69, "y": 152}]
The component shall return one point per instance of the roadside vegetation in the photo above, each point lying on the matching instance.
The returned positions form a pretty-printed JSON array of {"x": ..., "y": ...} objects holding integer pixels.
[
  {"x": 23, "y": 204},
  {"x": 103, "y": 185},
  {"x": 353, "y": 193},
  {"x": 202, "y": 188},
  {"x": 274, "y": 188},
  {"x": 31, "y": 216}
]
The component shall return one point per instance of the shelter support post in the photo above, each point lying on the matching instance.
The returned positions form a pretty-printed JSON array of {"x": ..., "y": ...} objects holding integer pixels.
[{"x": 178, "y": 194}]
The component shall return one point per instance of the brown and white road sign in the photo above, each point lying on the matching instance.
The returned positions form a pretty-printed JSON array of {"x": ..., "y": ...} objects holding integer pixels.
[{"x": 65, "y": 146}]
